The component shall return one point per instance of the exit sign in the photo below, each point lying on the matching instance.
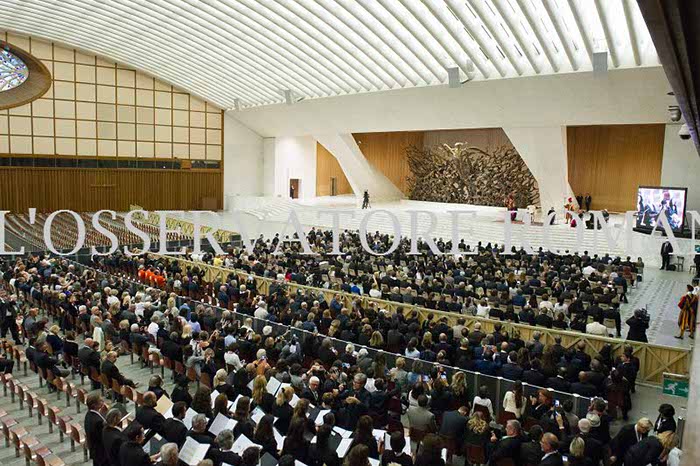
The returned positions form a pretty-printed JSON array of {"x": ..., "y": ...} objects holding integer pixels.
[{"x": 676, "y": 385}]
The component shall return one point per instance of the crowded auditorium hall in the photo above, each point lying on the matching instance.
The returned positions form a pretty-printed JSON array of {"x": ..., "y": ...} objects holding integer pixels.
[{"x": 356, "y": 233}]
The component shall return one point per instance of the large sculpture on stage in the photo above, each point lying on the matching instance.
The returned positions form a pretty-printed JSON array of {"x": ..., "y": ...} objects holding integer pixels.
[{"x": 470, "y": 175}]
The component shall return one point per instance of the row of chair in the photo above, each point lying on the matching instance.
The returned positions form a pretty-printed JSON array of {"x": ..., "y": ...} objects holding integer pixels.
[{"x": 21, "y": 437}]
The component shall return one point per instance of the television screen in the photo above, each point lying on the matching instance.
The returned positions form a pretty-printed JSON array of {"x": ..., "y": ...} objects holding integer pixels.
[{"x": 653, "y": 200}]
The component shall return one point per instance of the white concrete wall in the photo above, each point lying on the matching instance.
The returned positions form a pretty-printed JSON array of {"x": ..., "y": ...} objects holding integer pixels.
[
  {"x": 295, "y": 157},
  {"x": 360, "y": 173},
  {"x": 268, "y": 167},
  {"x": 544, "y": 151},
  {"x": 681, "y": 165},
  {"x": 243, "y": 160},
  {"x": 618, "y": 97}
]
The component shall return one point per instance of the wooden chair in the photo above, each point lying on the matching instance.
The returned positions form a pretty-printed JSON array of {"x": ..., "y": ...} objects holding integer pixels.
[
  {"x": 53, "y": 413},
  {"x": 77, "y": 435},
  {"x": 80, "y": 399},
  {"x": 16, "y": 433},
  {"x": 35, "y": 369},
  {"x": 33, "y": 449},
  {"x": 42, "y": 410},
  {"x": 504, "y": 462},
  {"x": 7, "y": 424},
  {"x": 32, "y": 403},
  {"x": 475, "y": 454},
  {"x": 49, "y": 460},
  {"x": 63, "y": 423}
]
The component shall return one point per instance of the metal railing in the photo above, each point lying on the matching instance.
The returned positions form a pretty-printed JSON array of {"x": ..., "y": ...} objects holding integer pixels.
[{"x": 654, "y": 359}]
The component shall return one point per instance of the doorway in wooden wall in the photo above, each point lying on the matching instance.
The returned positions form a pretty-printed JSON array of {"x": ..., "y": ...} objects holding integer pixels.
[
  {"x": 294, "y": 188},
  {"x": 334, "y": 186}
]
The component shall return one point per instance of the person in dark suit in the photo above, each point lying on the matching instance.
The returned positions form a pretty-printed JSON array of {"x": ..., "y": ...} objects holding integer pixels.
[
  {"x": 397, "y": 442},
  {"x": 181, "y": 392},
  {"x": 583, "y": 387},
  {"x": 8, "y": 319},
  {"x": 112, "y": 437},
  {"x": 174, "y": 429},
  {"x": 171, "y": 348},
  {"x": 131, "y": 452},
  {"x": 223, "y": 453},
  {"x": 110, "y": 369},
  {"x": 311, "y": 392},
  {"x": 147, "y": 416},
  {"x": 592, "y": 448},
  {"x": 647, "y": 451},
  {"x": 199, "y": 430},
  {"x": 559, "y": 382},
  {"x": 550, "y": 447},
  {"x": 531, "y": 450},
  {"x": 90, "y": 358},
  {"x": 454, "y": 425},
  {"x": 588, "y": 199},
  {"x": 94, "y": 424},
  {"x": 665, "y": 421},
  {"x": 666, "y": 251},
  {"x": 509, "y": 445},
  {"x": 628, "y": 436},
  {"x": 45, "y": 361}
]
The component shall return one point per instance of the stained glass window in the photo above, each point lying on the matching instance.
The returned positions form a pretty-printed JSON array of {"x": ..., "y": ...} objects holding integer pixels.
[{"x": 13, "y": 71}]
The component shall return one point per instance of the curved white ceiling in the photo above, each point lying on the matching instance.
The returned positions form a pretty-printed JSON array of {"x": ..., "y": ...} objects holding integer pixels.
[{"x": 254, "y": 50}]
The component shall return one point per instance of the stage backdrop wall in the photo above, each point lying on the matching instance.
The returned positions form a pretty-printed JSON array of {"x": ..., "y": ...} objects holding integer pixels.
[
  {"x": 327, "y": 167},
  {"x": 388, "y": 153},
  {"x": 611, "y": 161}
]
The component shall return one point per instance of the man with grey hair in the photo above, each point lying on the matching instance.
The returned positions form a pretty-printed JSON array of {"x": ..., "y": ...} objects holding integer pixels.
[
  {"x": 311, "y": 392},
  {"x": 223, "y": 454},
  {"x": 593, "y": 448},
  {"x": 199, "y": 431},
  {"x": 509, "y": 445},
  {"x": 169, "y": 455}
]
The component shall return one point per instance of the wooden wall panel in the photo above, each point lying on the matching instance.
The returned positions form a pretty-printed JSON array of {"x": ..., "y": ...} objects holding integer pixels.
[
  {"x": 387, "y": 153},
  {"x": 327, "y": 167},
  {"x": 611, "y": 161},
  {"x": 483, "y": 138},
  {"x": 87, "y": 190}
]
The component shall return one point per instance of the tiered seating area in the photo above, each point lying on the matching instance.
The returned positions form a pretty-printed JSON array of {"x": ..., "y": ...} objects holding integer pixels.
[{"x": 64, "y": 231}]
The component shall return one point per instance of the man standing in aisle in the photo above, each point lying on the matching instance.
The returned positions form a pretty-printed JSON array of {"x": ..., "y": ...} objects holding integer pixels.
[{"x": 666, "y": 251}]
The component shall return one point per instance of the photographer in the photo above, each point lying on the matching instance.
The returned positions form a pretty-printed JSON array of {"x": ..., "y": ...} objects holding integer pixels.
[{"x": 638, "y": 324}]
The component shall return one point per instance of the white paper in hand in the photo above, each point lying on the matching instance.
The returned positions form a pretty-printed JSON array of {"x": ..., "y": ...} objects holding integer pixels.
[
  {"x": 278, "y": 438},
  {"x": 343, "y": 447},
  {"x": 378, "y": 434},
  {"x": 257, "y": 414},
  {"x": 342, "y": 432},
  {"x": 189, "y": 415},
  {"x": 193, "y": 452},
  {"x": 319, "y": 418},
  {"x": 221, "y": 423},
  {"x": 241, "y": 444},
  {"x": 273, "y": 385},
  {"x": 214, "y": 394}
]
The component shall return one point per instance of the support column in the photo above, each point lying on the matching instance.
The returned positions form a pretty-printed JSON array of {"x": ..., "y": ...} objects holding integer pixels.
[
  {"x": 543, "y": 149},
  {"x": 360, "y": 173}
]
